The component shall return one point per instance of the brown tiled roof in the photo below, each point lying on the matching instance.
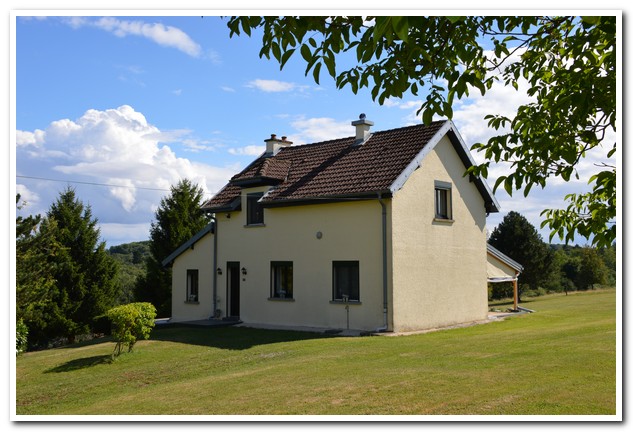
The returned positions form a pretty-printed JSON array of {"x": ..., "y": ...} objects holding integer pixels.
[
  {"x": 264, "y": 169},
  {"x": 331, "y": 169}
]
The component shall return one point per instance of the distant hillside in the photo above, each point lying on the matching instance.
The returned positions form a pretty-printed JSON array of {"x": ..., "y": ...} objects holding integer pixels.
[{"x": 131, "y": 258}]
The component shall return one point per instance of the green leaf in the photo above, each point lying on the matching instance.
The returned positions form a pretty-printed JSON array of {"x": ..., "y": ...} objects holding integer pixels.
[
  {"x": 306, "y": 53},
  {"x": 401, "y": 27},
  {"x": 286, "y": 57},
  {"x": 454, "y": 19},
  {"x": 315, "y": 72},
  {"x": 427, "y": 116}
]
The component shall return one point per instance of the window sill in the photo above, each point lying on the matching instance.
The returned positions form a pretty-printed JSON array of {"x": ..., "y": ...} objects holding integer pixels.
[
  {"x": 279, "y": 299},
  {"x": 255, "y": 225},
  {"x": 351, "y": 302},
  {"x": 444, "y": 221},
  {"x": 191, "y": 302}
]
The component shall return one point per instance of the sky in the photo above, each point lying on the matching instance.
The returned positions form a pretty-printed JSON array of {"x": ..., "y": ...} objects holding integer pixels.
[{"x": 121, "y": 106}]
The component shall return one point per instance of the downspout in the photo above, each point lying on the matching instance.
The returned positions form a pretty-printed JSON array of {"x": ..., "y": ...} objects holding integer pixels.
[
  {"x": 215, "y": 266},
  {"x": 385, "y": 299}
]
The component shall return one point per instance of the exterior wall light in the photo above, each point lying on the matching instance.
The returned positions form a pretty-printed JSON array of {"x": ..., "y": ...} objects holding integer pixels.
[
  {"x": 244, "y": 270},
  {"x": 219, "y": 271}
]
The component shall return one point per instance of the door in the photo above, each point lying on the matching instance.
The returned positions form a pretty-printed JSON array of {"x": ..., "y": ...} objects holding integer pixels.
[{"x": 233, "y": 289}]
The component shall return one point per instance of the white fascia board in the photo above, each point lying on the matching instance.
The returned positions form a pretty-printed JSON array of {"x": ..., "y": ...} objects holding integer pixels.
[
  {"x": 472, "y": 162},
  {"x": 417, "y": 160},
  {"x": 448, "y": 126}
]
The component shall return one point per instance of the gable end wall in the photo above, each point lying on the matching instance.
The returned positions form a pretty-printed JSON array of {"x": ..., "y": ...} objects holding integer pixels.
[{"x": 439, "y": 268}]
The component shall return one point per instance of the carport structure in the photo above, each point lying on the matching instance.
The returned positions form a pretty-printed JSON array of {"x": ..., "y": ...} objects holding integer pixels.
[{"x": 502, "y": 268}]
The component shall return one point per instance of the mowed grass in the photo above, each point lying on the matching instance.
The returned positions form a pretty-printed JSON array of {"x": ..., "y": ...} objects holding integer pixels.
[{"x": 559, "y": 360}]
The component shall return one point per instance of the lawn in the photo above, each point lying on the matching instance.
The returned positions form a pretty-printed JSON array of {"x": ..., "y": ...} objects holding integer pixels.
[{"x": 559, "y": 360}]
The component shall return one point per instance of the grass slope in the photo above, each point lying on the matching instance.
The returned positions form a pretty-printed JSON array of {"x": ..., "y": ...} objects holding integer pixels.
[{"x": 559, "y": 360}]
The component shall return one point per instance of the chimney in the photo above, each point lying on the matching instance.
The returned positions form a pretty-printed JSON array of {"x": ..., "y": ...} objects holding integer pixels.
[
  {"x": 362, "y": 129},
  {"x": 274, "y": 144}
]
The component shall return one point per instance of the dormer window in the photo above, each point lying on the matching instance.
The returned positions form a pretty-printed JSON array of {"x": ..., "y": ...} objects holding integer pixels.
[{"x": 254, "y": 210}]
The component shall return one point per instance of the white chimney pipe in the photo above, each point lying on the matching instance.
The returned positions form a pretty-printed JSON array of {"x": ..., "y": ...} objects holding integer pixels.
[{"x": 362, "y": 129}]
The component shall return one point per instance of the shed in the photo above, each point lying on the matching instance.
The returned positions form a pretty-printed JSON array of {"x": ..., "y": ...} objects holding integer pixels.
[{"x": 502, "y": 268}]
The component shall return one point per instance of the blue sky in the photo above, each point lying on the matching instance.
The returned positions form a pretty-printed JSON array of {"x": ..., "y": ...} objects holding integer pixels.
[{"x": 142, "y": 101}]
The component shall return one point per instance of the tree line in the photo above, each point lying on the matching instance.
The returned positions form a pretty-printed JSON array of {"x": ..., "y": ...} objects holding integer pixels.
[
  {"x": 549, "y": 268},
  {"x": 66, "y": 281}
]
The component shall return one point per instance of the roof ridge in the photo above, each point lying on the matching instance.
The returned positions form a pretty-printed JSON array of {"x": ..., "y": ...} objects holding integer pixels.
[{"x": 351, "y": 137}]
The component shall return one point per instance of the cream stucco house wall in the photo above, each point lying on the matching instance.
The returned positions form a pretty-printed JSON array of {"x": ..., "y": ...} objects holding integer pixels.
[{"x": 380, "y": 231}]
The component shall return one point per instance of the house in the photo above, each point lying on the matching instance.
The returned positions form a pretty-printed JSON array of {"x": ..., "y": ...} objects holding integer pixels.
[{"x": 379, "y": 231}]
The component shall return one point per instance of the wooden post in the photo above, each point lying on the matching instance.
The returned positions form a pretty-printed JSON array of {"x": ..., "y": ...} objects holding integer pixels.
[{"x": 515, "y": 284}]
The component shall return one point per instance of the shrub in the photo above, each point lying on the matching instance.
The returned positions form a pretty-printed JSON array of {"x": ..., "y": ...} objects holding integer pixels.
[
  {"x": 131, "y": 322},
  {"x": 21, "y": 337}
]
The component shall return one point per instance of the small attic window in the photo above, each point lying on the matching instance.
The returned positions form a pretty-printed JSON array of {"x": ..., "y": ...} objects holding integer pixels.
[
  {"x": 443, "y": 207},
  {"x": 254, "y": 210}
]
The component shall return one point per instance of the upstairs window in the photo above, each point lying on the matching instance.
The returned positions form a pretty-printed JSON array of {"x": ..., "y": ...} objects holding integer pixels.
[
  {"x": 192, "y": 285},
  {"x": 254, "y": 210},
  {"x": 281, "y": 280},
  {"x": 443, "y": 208},
  {"x": 345, "y": 277}
]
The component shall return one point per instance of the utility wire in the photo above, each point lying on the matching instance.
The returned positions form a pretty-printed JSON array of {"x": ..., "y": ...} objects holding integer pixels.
[{"x": 96, "y": 184}]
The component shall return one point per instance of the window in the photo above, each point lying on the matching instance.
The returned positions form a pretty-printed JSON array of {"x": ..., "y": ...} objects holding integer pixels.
[
  {"x": 254, "y": 210},
  {"x": 345, "y": 281},
  {"x": 192, "y": 285},
  {"x": 281, "y": 279},
  {"x": 443, "y": 208}
]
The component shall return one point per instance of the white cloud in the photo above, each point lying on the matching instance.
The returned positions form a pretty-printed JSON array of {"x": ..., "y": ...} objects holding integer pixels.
[
  {"x": 251, "y": 150},
  {"x": 228, "y": 89},
  {"x": 115, "y": 147},
  {"x": 167, "y": 36},
  {"x": 319, "y": 129},
  {"x": 23, "y": 138},
  {"x": 27, "y": 197},
  {"x": 271, "y": 86}
]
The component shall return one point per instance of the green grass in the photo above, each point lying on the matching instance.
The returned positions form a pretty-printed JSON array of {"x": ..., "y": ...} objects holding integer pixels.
[{"x": 559, "y": 360}]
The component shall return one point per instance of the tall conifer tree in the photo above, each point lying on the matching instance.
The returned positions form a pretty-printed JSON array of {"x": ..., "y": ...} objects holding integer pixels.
[
  {"x": 178, "y": 218},
  {"x": 85, "y": 275}
]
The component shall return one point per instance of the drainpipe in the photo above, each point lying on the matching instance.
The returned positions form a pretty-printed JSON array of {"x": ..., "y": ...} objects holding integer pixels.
[
  {"x": 385, "y": 300},
  {"x": 215, "y": 266}
]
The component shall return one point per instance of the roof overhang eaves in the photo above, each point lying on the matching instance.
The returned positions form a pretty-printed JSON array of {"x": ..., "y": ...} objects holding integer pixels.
[
  {"x": 492, "y": 205},
  {"x": 186, "y": 245},
  {"x": 417, "y": 160},
  {"x": 503, "y": 258},
  {"x": 257, "y": 181},
  {"x": 234, "y": 205},
  {"x": 327, "y": 199}
]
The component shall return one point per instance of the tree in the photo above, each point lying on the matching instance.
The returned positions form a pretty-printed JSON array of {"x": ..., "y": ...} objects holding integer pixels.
[
  {"x": 517, "y": 238},
  {"x": 131, "y": 322},
  {"x": 567, "y": 63},
  {"x": 33, "y": 272},
  {"x": 592, "y": 269},
  {"x": 178, "y": 218},
  {"x": 84, "y": 274}
]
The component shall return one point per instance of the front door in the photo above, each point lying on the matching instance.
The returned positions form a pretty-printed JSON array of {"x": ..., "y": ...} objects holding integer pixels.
[{"x": 233, "y": 289}]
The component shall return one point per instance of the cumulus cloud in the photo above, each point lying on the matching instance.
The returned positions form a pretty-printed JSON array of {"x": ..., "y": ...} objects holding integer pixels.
[
  {"x": 119, "y": 150},
  {"x": 158, "y": 33}
]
